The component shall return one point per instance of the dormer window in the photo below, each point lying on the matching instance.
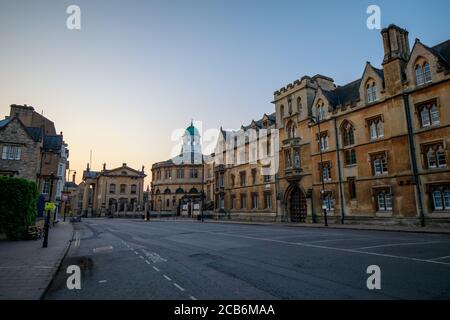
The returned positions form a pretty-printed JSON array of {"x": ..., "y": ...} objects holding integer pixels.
[
  {"x": 423, "y": 73},
  {"x": 320, "y": 111},
  {"x": 371, "y": 91},
  {"x": 323, "y": 141}
]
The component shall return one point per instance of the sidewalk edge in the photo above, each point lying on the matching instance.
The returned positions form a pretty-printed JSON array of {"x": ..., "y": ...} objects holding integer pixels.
[{"x": 58, "y": 264}]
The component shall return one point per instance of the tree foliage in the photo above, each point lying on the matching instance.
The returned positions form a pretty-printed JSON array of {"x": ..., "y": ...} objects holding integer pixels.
[{"x": 18, "y": 198}]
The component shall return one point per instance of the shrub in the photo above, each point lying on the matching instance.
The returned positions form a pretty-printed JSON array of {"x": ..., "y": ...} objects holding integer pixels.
[{"x": 18, "y": 210}]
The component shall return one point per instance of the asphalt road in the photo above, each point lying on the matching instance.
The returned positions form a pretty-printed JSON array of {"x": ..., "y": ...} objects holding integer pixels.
[{"x": 134, "y": 259}]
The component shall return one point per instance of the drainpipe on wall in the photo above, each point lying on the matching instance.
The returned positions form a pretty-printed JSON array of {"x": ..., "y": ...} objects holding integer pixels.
[
  {"x": 412, "y": 151},
  {"x": 341, "y": 192}
]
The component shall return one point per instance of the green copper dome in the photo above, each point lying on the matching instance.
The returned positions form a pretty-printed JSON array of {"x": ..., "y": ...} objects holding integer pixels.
[{"x": 192, "y": 130}]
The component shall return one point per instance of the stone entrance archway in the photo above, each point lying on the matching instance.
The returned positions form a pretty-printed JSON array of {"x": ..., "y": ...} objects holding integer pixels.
[{"x": 296, "y": 204}]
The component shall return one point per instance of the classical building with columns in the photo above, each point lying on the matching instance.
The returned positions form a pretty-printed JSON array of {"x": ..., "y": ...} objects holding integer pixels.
[
  {"x": 177, "y": 183},
  {"x": 113, "y": 191}
]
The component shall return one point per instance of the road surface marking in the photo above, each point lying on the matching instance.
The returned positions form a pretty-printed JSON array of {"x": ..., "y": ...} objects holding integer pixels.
[
  {"x": 326, "y": 248},
  {"x": 156, "y": 258},
  {"x": 103, "y": 249},
  {"x": 167, "y": 278},
  {"x": 102, "y": 281},
  {"x": 397, "y": 244},
  {"x": 330, "y": 240},
  {"x": 136, "y": 252},
  {"x": 141, "y": 257},
  {"x": 156, "y": 269},
  {"x": 146, "y": 261},
  {"x": 178, "y": 286},
  {"x": 192, "y": 298},
  {"x": 440, "y": 258}
]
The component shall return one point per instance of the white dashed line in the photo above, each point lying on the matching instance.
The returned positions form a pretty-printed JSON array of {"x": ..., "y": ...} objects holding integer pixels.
[
  {"x": 167, "y": 278},
  {"x": 156, "y": 269},
  {"x": 192, "y": 298},
  {"x": 102, "y": 281},
  {"x": 136, "y": 252},
  {"x": 147, "y": 262},
  {"x": 178, "y": 286},
  {"x": 141, "y": 257}
]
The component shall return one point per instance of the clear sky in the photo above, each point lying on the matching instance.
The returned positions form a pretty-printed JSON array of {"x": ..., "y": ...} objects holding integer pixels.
[{"x": 137, "y": 70}]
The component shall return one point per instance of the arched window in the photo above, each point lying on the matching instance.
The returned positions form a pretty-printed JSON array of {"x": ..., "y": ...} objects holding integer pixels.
[
  {"x": 179, "y": 190},
  {"x": 193, "y": 191},
  {"x": 292, "y": 130},
  {"x": 167, "y": 191},
  {"x": 157, "y": 191},
  {"x": 435, "y": 157},
  {"x": 282, "y": 111},
  {"x": 371, "y": 91},
  {"x": 423, "y": 72},
  {"x": 320, "y": 111},
  {"x": 441, "y": 198},
  {"x": 290, "y": 105},
  {"x": 348, "y": 135},
  {"x": 429, "y": 114}
]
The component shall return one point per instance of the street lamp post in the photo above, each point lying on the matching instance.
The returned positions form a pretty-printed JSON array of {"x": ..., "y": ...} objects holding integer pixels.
[
  {"x": 47, "y": 220},
  {"x": 322, "y": 192},
  {"x": 203, "y": 188}
]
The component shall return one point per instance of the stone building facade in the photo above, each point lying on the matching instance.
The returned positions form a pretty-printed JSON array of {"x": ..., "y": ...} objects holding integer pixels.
[
  {"x": 112, "y": 191},
  {"x": 177, "y": 183},
  {"x": 32, "y": 149},
  {"x": 21, "y": 150},
  {"x": 381, "y": 151},
  {"x": 244, "y": 185}
]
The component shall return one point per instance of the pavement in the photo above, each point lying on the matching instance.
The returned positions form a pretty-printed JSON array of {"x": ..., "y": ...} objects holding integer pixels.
[
  {"x": 190, "y": 260},
  {"x": 27, "y": 269}
]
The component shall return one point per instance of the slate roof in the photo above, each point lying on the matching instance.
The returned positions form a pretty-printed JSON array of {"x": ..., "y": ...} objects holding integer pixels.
[
  {"x": 442, "y": 50},
  {"x": 343, "y": 94},
  {"x": 379, "y": 72},
  {"x": 53, "y": 142},
  {"x": 90, "y": 174},
  {"x": 71, "y": 184},
  {"x": 35, "y": 132},
  {"x": 259, "y": 123},
  {"x": 4, "y": 122}
]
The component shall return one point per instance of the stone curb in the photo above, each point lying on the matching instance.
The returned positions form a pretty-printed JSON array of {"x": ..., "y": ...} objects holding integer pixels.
[{"x": 58, "y": 264}]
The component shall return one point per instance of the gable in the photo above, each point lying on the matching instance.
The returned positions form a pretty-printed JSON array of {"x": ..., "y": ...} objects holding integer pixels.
[
  {"x": 13, "y": 131},
  {"x": 371, "y": 73},
  {"x": 123, "y": 171}
]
